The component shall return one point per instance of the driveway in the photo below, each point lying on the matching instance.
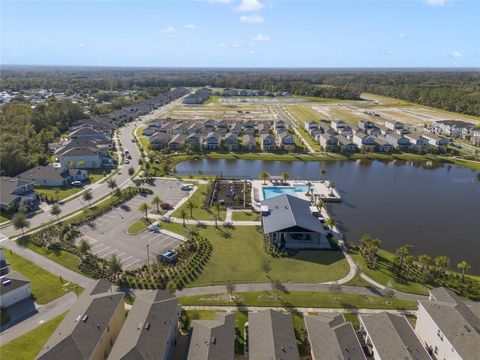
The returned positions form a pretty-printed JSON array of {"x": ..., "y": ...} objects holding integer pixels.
[{"x": 107, "y": 235}]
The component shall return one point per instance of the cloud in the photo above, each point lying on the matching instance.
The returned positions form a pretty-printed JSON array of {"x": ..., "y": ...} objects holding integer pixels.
[
  {"x": 252, "y": 19},
  {"x": 80, "y": 46},
  {"x": 252, "y": 52},
  {"x": 435, "y": 2},
  {"x": 222, "y": 45},
  {"x": 261, "y": 37},
  {"x": 402, "y": 35},
  {"x": 456, "y": 54},
  {"x": 250, "y": 5},
  {"x": 169, "y": 29},
  {"x": 190, "y": 26}
]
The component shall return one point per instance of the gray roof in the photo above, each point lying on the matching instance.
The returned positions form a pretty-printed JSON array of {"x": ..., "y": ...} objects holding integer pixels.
[
  {"x": 393, "y": 337},
  {"x": 46, "y": 173},
  {"x": 76, "y": 339},
  {"x": 458, "y": 323},
  {"x": 146, "y": 332},
  {"x": 87, "y": 131},
  {"x": 331, "y": 337},
  {"x": 271, "y": 336},
  {"x": 248, "y": 139},
  {"x": 287, "y": 211},
  {"x": 8, "y": 185},
  {"x": 213, "y": 339},
  {"x": 17, "y": 280}
]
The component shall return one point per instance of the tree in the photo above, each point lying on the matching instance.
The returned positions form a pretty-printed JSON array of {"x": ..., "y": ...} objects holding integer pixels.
[
  {"x": 171, "y": 287},
  {"x": 266, "y": 266},
  {"x": 56, "y": 210},
  {"x": 463, "y": 266},
  {"x": 88, "y": 197},
  {"x": 285, "y": 176},
  {"x": 183, "y": 216},
  {"x": 442, "y": 263},
  {"x": 114, "y": 264},
  {"x": 84, "y": 246},
  {"x": 264, "y": 176},
  {"x": 56, "y": 191},
  {"x": 336, "y": 288},
  {"x": 117, "y": 192},
  {"x": 401, "y": 253},
  {"x": 191, "y": 206},
  {"x": 20, "y": 221},
  {"x": 156, "y": 201},
  {"x": 369, "y": 249},
  {"x": 330, "y": 222},
  {"x": 389, "y": 294},
  {"x": 112, "y": 184},
  {"x": 230, "y": 288},
  {"x": 425, "y": 261},
  {"x": 217, "y": 207},
  {"x": 144, "y": 208},
  {"x": 131, "y": 171}
]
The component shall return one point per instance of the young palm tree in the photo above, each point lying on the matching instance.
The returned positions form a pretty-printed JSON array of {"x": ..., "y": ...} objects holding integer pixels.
[
  {"x": 191, "y": 206},
  {"x": 264, "y": 176},
  {"x": 84, "y": 246},
  {"x": 156, "y": 201},
  {"x": 131, "y": 171},
  {"x": 114, "y": 264},
  {"x": 442, "y": 263},
  {"x": 112, "y": 184},
  {"x": 144, "y": 208},
  {"x": 56, "y": 210},
  {"x": 20, "y": 221},
  {"x": 402, "y": 252},
  {"x": 56, "y": 191},
  {"x": 285, "y": 176},
  {"x": 88, "y": 196},
  {"x": 183, "y": 216},
  {"x": 463, "y": 267}
]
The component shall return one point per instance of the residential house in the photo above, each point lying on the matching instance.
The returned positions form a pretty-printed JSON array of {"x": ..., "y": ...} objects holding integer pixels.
[
  {"x": 290, "y": 224},
  {"x": 365, "y": 125},
  {"x": 345, "y": 131},
  {"x": 159, "y": 141},
  {"x": 417, "y": 141},
  {"x": 230, "y": 142},
  {"x": 249, "y": 143},
  {"x": 149, "y": 130},
  {"x": 15, "y": 191},
  {"x": 375, "y": 131},
  {"x": 213, "y": 339},
  {"x": 180, "y": 128},
  {"x": 384, "y": 130},
  {"x": 53, "y": 176},
  {"x": 222, "y": 124},
  {"x": 209, "y": 125},
  {"x": 236, "y": 128},
  {"x": 448, "y": 327},
  {"x": 14, "y": 288},
  {"x": 167, "y": 127},
  {"x": 150, "y": 329},
  {"x": 381, "y": 145},
  {"x": 271, "y": 336},
  {"x": 88, "y": 132},
  {"x": 177, "y": 142},
  {"x": 212, "y": 141},
  {"x": 194, "y": 140},
  {"x": 279, "y": 126},
  {"x": 263, "y": 128},
  {"x": 475, "y": 138},
  {"x": 90, "y": 328},
  {"x": 285, "y": 141},
  {"x": 331, "y": 131},
  {"x": 267, "y": 142},
  {"x": 453, "y": 128},
  {"x": 249, "y": 124},
  {"x": 310, "y": 125},
  {"x": 249, "y": 131},
  {"x": 435, "y": 140},
  {"x": 391, "y": 337},
  {"x": 331, "y": 337},
  {"x": 399, "y": 142},
  {"x": 393, "y": 125},
  {"x": 84, "y": 154},
  {"x": 328, "y": 142},
  {"x": 365, "y": 142},
  {"x": 337, "y": 125},
  {"x": 346, "y": 145}
]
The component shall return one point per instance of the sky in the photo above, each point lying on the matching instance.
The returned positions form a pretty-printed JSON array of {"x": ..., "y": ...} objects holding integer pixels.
[{"x": 242, "y": 33}]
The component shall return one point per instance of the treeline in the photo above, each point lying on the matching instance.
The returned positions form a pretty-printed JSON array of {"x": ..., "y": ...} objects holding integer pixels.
[{"x": 26, "y": 132}]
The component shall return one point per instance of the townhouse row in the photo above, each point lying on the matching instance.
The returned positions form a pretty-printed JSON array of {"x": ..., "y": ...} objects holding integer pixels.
[{"x": 457, "y": 129}]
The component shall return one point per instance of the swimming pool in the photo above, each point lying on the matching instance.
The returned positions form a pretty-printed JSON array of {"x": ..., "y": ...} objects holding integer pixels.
[{"x": 296, "y": 190}]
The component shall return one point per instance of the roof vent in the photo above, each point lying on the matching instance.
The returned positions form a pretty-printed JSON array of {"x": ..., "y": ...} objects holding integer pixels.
[
  {"x": 139, "y": 326},
  {"x": 147, "y": 325},
  {"x": 6, "y": 282},
  {"x": 214, "y": 340},
  {"x": 85, "y": 317},
  {"x": 78, "y": 318}
]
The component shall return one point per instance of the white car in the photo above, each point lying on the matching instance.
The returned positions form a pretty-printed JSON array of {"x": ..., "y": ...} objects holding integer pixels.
[
  {"x": 186, "y": 187},
  {"x": 77, "y": 183}
]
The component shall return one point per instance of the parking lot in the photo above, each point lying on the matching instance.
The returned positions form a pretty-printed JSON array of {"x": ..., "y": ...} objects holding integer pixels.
[{"x": 107, "y": 235}]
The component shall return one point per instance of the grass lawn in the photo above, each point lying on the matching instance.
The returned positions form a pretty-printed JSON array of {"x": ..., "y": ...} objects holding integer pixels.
[
  {"x": 245, "y": 216},
  {"x": 240, "y": 259},
  {"x": 63, "y": 193},
  {"x": 297, "y": 299},
  {"x": 96, "y": 174},
  {"x": 45, "y": 286},
  {"x": 4, "y": 218},
  {"x": 62, "y": 257},
  {"x": 383, "y": 274},
  {"x": 138, "y": 226},
  {"x": 198, "y": 199},
  {"x": 27, "y": 346}
]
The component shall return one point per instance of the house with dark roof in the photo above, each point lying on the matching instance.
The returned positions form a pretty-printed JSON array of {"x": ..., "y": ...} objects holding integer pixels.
[
  {"x": 230, "y": 142},
  {"x": 285, "y": 141},
  {"x": 328, "y": 142},
  {"x": 346, "y": 145},
  {"x": 448, "y": 327},
  {"x": 398, "y": 141},
  {"x": 159, "y": 140},
  {"x": 213, "y": 339},
  {"x": 53, "y": 176},
  {"x": 150, "y": 329},
  {"x": 290, "y": 224},
  {"x": 14, "y": 191},
  {"x": 14, "y": 287},
  {"x": 177, "y": 142},
  {"x": 90, "y": 328},
  {"x": 267, "y": 142},
  {"x": 88, "y": 132},
  {"x": 211, "y": 141},
  {"x": 84, "y": 154},
  {"x": 391, "y": 337},
  {"x": 194, "y": 140},
  {"x": 331, "y": 337},
  {"x": 271, "y": 336},
  {"x": 249, "y": 143}
]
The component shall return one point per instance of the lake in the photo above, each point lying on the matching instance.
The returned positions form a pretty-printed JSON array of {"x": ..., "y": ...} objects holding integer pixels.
[{"x": 435, "y": 207}]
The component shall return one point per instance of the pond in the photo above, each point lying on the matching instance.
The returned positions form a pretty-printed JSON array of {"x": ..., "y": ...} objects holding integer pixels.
[{"x": 435, "y": 207}]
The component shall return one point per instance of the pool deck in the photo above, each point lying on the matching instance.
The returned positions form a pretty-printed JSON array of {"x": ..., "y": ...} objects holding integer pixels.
[{"x": 320, "y": 189}]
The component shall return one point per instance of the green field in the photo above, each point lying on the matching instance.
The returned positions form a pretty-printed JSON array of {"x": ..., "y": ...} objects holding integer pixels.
[
  {"x": 240, "y": 259},
  {"x": 298, "y": 299},
  {"x": 45, "y": 286},
  {"x": 62, "y": 257},
  {"x": 245, "y": 216},
  {"x": 4, "y": 218},
  {"x": 27, "y": 346},
  {"x": 199, "y": 213}
]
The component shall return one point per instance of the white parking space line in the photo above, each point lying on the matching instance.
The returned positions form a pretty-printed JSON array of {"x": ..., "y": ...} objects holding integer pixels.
[
  {"x": 107, "y": 248},
  {"x": 3, "y": 237},
  {"x": 98, "y": 245},
  {"x": 147, "y": 235},
  {"x": 131, "y": 264},
  {"x": 121, "y": 261},
  {"x": 108, "y": 253}
]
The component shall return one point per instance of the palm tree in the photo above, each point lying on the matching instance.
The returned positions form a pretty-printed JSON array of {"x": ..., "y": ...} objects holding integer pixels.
[
  {"x": 20, "y": 221},
  {"x": 285, "y": 176},
  {"x": 425, "y": 261},
  {"x": 463, "y": 267},
  {"x": 217, "y": 207},
  {"x": 112, "y": 184},
  {"x": 230, "y": 288},
  {"x": 114, "y": 264},
  {"x": 131, "y": 171},
  {"x": 55, "y": 210},
  {"x": 402, "y": 252},
  {"x": 157, "y": 202},
  {"x": 88, "y": 196},
  {"x": 183, "y": 215},
  {"x": 191, "y": 206},
  {"x": 264, "y": 176},
  {"x": 442, "y": 263},
  {"x": 84, "y": 246},
  {"x": 144, "y": 208}
]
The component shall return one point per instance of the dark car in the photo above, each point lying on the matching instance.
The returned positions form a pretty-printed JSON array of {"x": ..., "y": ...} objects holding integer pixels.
[{"x": 167, "y": 206}]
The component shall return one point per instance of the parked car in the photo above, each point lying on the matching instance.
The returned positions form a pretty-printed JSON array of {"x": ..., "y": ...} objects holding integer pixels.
[
  {"x": 186, "y": 187},
  {"x": 77, "y": 183},
  {"x": 154, "y": 228},
  {"x": 127, "y": 161},
  {"x": 166, "y": 206},
  {"x": 133, "y": 140}
]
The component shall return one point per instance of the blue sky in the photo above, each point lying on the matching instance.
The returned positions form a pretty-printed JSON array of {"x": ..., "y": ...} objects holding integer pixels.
[{"x": 242, "y": 33}]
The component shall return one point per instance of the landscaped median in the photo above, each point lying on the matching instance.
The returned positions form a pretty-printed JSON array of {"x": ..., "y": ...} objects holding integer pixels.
[
  {"x": 138, "y": 226},
  {"x": 298, "y": 299}
]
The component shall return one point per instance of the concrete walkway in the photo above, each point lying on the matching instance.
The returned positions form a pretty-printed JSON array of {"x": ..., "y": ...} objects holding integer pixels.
[{"x": 45, "y": 313}]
